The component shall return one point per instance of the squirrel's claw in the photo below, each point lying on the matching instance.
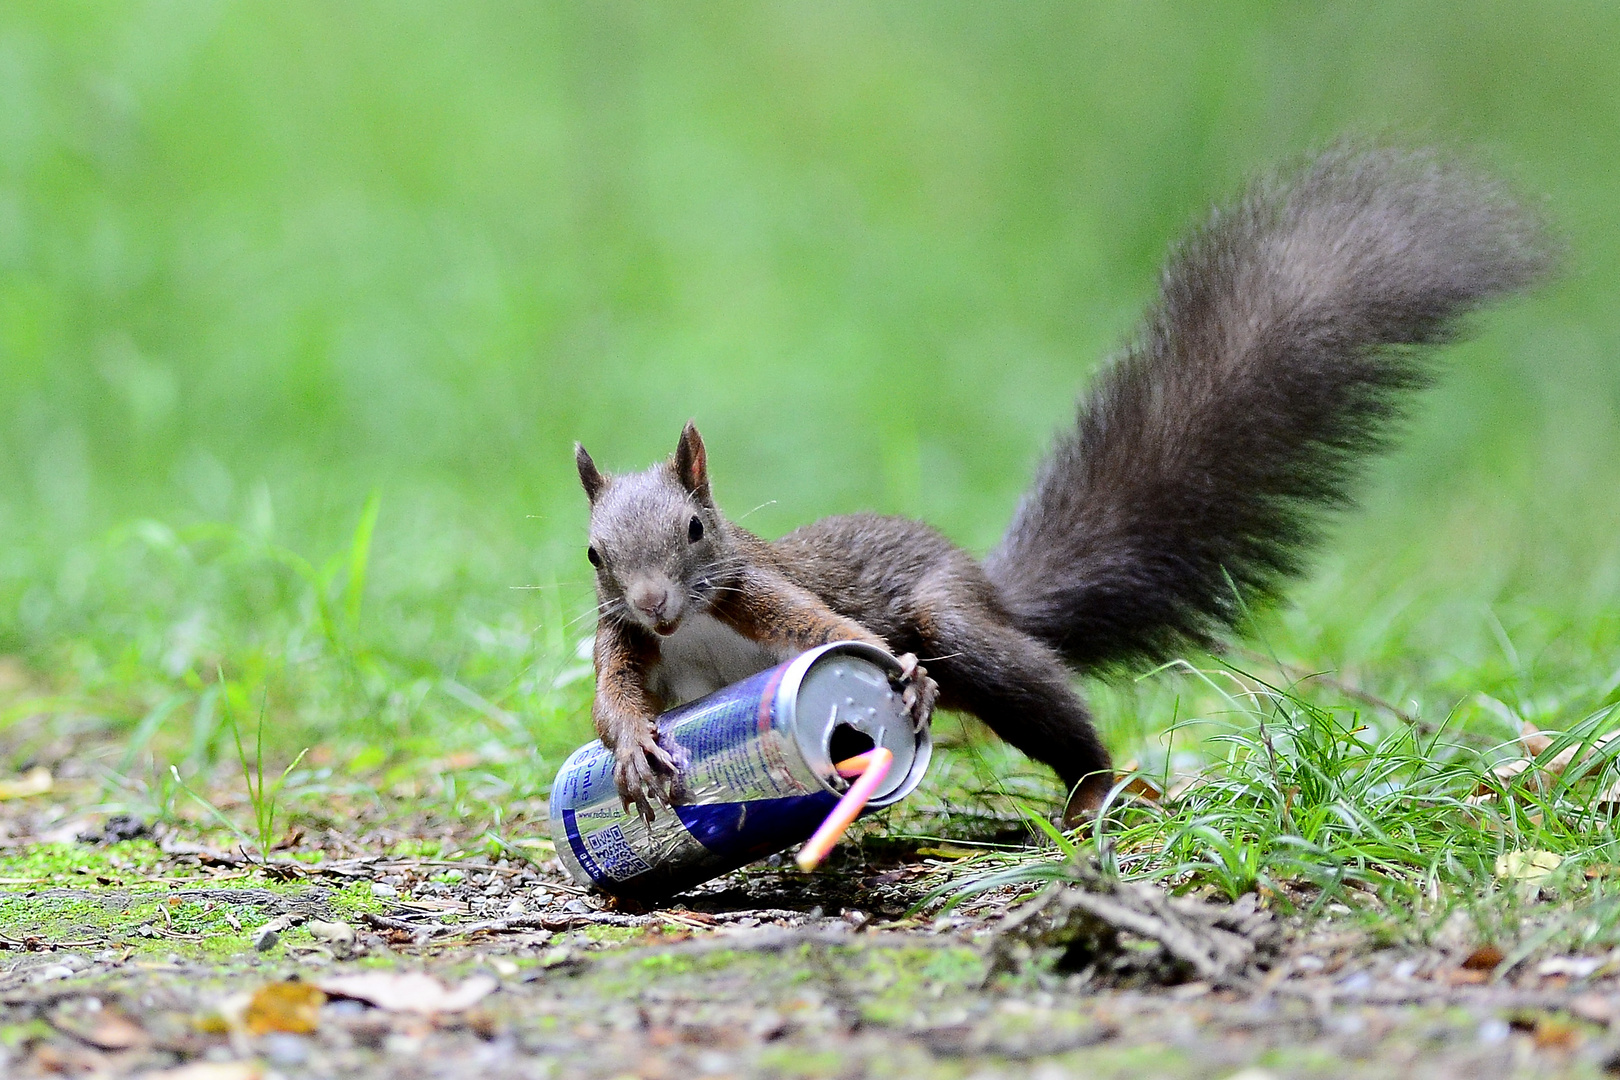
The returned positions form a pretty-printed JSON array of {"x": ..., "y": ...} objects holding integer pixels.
[
  {"x": 644, "y": 772},
  {"x": 917, "y": 691}
]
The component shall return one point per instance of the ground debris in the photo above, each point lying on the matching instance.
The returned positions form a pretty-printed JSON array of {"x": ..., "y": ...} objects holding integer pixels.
[
  {"x": 1092, "y": 917},
  {"x": 100, "y": 1026},
  {"x": 410, "y": 991},
  {"x": 292, "y": 1007}
]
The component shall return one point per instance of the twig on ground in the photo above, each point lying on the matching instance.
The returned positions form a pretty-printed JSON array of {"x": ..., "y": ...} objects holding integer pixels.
[{"x": 1085, "y": 915}]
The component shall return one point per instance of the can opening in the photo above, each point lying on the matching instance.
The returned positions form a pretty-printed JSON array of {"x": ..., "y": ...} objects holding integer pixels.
[
  {"x": 841, "y": 702},
  {"x": 846, "y": 741}
]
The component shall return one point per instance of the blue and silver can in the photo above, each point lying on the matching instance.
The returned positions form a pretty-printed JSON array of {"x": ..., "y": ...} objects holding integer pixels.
[{"x": 756, "y": 773}]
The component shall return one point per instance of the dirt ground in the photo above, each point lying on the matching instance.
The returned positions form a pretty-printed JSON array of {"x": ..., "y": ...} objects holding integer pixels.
[
  {"x": 377, "y": 939},
  {"x": 133, "y": 949}
]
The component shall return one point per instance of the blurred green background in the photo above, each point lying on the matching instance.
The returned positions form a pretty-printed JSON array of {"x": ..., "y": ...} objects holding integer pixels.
[{"x": 260, "y": 261}]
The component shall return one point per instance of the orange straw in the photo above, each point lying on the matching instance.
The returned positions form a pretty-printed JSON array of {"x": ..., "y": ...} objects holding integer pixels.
[
  {"x": 876, "y": 766},
  {"x": 852, "y": 767}
]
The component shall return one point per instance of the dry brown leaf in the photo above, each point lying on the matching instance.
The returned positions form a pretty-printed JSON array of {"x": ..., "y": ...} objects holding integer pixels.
[
  {"x": 1538, "y": 776},
  {"x": 1138, "y": 786},
  {"x": 36, "y": 781},
  {"x": 410, "y": 991},
  {"x": 100, "y": 1026},
  {"x": 1181, "y": 784},
  {"x": 1537, "y": 742},
  {"x": 114, "y": 1031},
  {"x": 210, "y": 1070},
  {"x": 1532, "y": 739},
  {"x": 293, "y": 1007},
  {"x": 1556, "y": 1033},
  {"x": 1609, "y": 798}
]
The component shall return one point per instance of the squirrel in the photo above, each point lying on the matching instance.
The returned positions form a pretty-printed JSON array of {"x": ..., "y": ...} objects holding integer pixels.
[{"x": 1289, "y": 333}]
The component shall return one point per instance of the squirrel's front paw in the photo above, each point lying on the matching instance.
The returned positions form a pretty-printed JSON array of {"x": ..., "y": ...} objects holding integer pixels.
[
  {"x": 644, "y": 771},
  {"x": 917, "y": 691}
]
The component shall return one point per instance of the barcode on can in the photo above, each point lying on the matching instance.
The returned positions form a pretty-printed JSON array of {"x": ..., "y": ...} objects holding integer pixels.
[{"x": 613, "y": 853}]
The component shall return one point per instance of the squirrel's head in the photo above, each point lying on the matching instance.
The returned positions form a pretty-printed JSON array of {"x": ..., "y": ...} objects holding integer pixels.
[{"x": 657, "y": 540}]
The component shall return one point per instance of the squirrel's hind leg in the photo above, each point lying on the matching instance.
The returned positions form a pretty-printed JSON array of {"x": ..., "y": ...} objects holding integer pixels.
[{"x": 1021, "y": 689}]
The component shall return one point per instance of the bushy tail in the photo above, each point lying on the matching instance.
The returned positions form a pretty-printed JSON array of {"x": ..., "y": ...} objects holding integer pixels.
[{"x": 1287, "y": 335}]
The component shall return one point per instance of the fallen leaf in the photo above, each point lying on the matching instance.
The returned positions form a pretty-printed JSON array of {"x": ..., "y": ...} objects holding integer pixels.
[
  {"x": 293, "y": 1007},
  {"x": 1527, "y": 865},
  {"x": 227, "y": 1014},
  {"x": 36, "y": 781},
  {"x": 1574, "y": 967},
  {"x": 1533, "y": 739},
  {"x": 114, "y": 1031},
  {"x": 1609, "y": 798},
  {"x": 1504, "y": 773},
  {"x": 1484, "y": 958},
  {"x": 1552, "y": 1033},
  {"x": 1593, "y": 1008},
  {"x": 210, "y": 1070},
  {"x": 1539, "y": 775},
  {"x": 410, "y": 991},
  {"x": 1537, "y": 742},
  {"x": 1139, "y": 786}
]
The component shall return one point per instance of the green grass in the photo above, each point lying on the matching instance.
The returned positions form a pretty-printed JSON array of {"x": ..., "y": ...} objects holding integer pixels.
[{"x": 301, "y": 309}]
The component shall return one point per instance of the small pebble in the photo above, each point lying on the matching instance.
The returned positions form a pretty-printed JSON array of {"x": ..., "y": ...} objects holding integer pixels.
[
  {"x": 335, "y": 932},
  {"x": 713, "y": 1061},
  {"x": 383, "y": 890},
  {"x": 515, "y": 908},
  {"x": 285, "y": 1051},
  {"x": 577, "y": 906},
  {"x": 1358, "y": 982}
]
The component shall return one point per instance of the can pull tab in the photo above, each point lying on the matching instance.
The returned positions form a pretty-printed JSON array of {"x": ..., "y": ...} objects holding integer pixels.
[{"x": 871, "y": 767}]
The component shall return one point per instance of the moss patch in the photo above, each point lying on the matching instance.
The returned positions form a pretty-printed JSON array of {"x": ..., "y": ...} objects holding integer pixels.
[{"x": 124, "y": 863}]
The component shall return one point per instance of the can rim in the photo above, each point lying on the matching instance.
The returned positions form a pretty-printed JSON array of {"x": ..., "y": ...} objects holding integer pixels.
[{"x": 787, "y": 693}]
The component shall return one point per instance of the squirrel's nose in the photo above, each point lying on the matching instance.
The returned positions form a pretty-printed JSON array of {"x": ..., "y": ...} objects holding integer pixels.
[{"x": 652, "y": 600}]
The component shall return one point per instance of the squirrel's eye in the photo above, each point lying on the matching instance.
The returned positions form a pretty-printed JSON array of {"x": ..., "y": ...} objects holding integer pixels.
[
  {"x": 694, "y": 531},
  {"x": 595, "y": 557}
]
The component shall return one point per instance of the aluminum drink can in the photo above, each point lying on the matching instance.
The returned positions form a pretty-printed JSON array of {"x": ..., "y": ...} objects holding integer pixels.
[{"x": 755, "y": 773}]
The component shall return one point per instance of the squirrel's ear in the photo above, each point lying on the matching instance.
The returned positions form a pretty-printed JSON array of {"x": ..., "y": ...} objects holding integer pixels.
[
  {"x": 592, "y": 480},
  {"x": 692, "y": 462}
]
